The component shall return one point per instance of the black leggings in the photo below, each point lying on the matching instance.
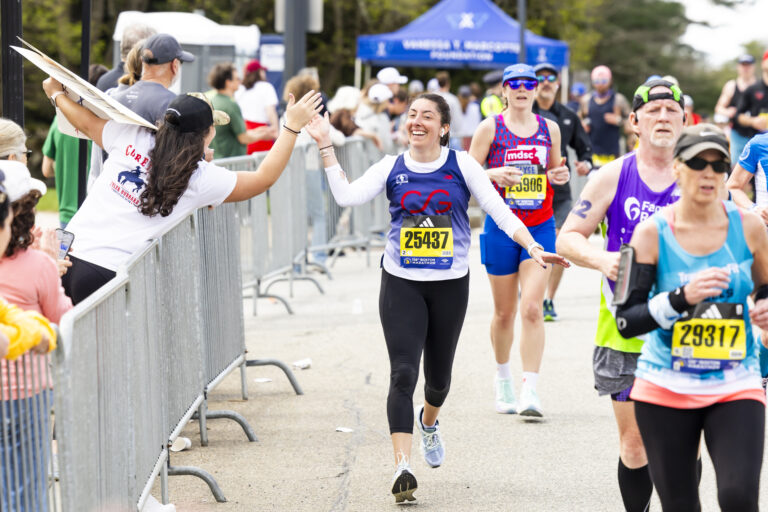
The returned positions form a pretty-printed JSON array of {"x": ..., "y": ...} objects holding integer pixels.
[
  {"x": 83, "y": 278},
  {"x": 420, "y": 316},
  {"x": 734, "y": 434}
]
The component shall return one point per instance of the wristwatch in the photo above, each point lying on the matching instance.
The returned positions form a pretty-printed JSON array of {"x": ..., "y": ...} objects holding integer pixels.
[
  {"x": 54, "y": 96},
  {"x": 533, "y": 245}
]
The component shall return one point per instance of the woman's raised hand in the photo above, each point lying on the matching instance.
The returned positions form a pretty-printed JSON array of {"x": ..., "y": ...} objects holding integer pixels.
[
  {"x": 319, "y": 128},
  {"x": 298, "y": 113},
  {"x": 51, "y": 85}
]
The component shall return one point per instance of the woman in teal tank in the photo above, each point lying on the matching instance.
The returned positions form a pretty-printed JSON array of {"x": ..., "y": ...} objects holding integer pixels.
[{"x": 699, "y": 260}]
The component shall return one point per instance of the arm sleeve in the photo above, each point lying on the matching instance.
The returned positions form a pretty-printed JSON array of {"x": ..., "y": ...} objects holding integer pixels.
[
  {"x": 24, "y": 329},
  {"x": 487, "y": 197},
  {"x": 363, "y": 189},
  {"x": 750, "y": 157},
  {"x": 638, "y": 315}
]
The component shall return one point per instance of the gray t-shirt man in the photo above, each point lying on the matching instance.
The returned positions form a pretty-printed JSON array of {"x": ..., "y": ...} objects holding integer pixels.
[{"x": 148, "y": 99}]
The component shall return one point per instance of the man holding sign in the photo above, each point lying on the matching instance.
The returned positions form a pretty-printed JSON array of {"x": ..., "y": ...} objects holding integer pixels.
[{"x": 522, "y": 151}]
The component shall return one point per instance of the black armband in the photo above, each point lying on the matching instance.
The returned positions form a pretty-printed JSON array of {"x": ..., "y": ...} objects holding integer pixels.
[
  {"x": 633, "y": 317},
  {"x": 761, "y": 292}
]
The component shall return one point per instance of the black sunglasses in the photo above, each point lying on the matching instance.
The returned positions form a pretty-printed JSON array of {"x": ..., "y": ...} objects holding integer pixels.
[{"x": 699, "y": 164}]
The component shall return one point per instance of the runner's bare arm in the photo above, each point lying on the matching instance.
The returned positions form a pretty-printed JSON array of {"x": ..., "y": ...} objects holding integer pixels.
[
  {"x": 585, "y": 217},
  {"x": 557, "y": 172},
  {"x": 757, "y": 241},
  {"x": 481, "y": 146},
  {"x": 80, "y": 117},
  {"x": 726, "y": 95},
  {"x": 735, "y": 184}
]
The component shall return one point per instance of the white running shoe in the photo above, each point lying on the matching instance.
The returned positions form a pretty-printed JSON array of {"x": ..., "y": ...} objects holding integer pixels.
[
  {"x": 432, "y": 446},
  {"x": 505, "y": 396},
  {"x": 403, "y": 483},
  {"x": 530, "y": 405}
]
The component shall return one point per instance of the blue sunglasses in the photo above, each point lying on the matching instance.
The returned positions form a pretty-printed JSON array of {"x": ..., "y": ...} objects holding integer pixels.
[
  {"x": 549, "y": 78},
  {"x": 515, "y": 83}
]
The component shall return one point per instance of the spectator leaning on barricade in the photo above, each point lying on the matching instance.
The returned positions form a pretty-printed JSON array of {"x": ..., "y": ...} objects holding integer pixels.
[
  {"x": 231, "y": 139},
  {"x": 728, "y": 104},
  {"x": 20, "y": 331},
  {"x": 571, "y": 134},
  {"x": 258, "y": 103},
  {"x": 131, "y": 35},
  {"x": 61, "y": 159},
  {"x": 152, "y": 180},
  {"x": 752, "y": 111},
  {"x": 29, "y": 279}
]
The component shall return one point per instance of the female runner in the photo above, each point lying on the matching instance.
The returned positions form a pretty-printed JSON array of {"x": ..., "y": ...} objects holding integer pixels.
[
  {"x": 699, "y": 369},
  {"x": 425, "y": 279},
  {"x": 522, "y": 151}
]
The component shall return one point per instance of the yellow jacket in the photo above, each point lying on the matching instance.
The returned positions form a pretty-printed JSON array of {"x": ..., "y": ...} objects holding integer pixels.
[{"x": 24, "y": 329}]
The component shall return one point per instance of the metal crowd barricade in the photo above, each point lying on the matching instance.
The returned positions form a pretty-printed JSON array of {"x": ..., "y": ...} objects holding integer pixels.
[{"x": 26, "y": 475}]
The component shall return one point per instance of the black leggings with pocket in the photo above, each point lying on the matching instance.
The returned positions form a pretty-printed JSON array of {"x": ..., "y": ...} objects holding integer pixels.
[
  {"x": 734, "y": 433},
  {"x": 420, "y": 316}
]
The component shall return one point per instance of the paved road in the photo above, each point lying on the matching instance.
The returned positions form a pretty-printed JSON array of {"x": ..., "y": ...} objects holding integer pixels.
[{"x": 494, "y": 463}]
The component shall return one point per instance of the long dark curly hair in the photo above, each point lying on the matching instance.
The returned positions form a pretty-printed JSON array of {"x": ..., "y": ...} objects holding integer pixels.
[
  {"x": 22, "y": 223},
  {"x": 173, "y": 160}
]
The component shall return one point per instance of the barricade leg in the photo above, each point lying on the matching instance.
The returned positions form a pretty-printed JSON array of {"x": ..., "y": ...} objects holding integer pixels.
[
  {"x": 244, "y": 379},
  {"x": 202, "y": 475},
  {"x": 282, "y": 366},
  {"x": 236, "y": 417},
  {"x": 258, "y": 294},
  {"x": 202, "y": 416},
  {"x": 164, "y": 482}
]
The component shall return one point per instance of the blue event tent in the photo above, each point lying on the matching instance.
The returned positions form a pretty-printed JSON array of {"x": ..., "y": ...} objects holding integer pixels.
[{"x": 459, "y": 33}]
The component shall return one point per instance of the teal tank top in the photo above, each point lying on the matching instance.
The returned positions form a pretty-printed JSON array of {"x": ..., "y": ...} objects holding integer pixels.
[{"x": 692, "y": 364}]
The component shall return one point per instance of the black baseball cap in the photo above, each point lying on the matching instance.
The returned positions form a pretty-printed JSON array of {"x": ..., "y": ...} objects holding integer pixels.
[
  {"x": 700, "y": 137},
  {"x": 162, "y": 48},
  {"x": 193, "y": 112},
  {"x": 546, "y": 66}
]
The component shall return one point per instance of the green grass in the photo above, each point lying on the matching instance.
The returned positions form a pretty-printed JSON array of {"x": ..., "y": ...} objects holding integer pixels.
[{"x": 49, "y": 202}]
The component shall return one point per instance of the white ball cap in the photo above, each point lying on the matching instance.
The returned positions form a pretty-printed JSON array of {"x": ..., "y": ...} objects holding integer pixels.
[
  {"x": 391, "y": 76},
  {"x": 433, "y": 85},
  {"x": 379, "y": 93},
  {"x": 17, "y": 180}
]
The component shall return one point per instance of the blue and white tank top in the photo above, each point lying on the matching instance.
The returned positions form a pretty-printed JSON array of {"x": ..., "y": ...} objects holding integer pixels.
[
  {"x": 429, "y": 232},
  {"x": 684, "y": 359}
]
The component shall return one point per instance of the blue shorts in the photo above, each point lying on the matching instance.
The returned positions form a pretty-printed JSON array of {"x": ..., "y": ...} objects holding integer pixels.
[{"x": 502, "y": 256}]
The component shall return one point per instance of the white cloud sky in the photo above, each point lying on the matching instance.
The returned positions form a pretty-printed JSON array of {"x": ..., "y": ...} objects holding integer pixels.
[{"x": 730, "y": 28}]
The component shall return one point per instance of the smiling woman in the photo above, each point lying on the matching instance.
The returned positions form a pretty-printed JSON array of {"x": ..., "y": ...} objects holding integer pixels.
[{"x": 425, "y": 267}]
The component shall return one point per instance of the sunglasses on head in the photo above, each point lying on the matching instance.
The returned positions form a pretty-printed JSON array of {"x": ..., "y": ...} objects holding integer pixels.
[
  {"x": 699, "y": 164},
  {"x": 550, "y": 78},
  {"x": 528, "y": 83}
]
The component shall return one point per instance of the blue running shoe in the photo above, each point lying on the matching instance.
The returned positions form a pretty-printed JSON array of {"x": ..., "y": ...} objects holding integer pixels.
[
  {"x": 549, "y": 311},
  {"x": 432, "y": 446}
]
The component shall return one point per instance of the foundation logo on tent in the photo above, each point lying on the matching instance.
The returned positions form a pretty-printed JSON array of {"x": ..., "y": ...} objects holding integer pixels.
[{"x": 467, "y": 20}]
